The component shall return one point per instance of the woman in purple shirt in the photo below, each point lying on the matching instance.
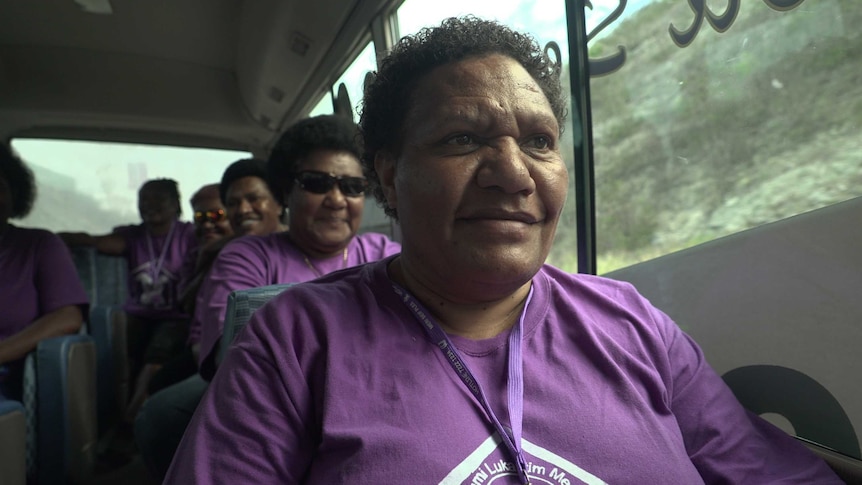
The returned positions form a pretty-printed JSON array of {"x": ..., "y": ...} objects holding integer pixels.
[
  {"x": 466, "y": 359},
  {"x": 157, "y": 327},
  {"x": 40, "y": 293}
]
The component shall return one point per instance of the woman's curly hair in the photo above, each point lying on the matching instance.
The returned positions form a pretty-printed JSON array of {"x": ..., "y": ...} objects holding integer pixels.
[
  {"x": 325, "y": 132},
  {"x": 389, "y": 96},
  {"x": 19, "y": 178}
]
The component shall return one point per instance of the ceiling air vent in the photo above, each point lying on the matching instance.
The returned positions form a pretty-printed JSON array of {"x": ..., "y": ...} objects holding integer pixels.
[
  {"x": 300, "y": 44},
  {"x": 101, "y": 7},
  {"x": 276, "y": 94}
]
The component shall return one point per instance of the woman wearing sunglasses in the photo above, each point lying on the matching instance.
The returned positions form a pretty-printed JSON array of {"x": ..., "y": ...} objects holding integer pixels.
[
  {"x": 315, "y": 170},
  {"x": 212, "y": 230}
]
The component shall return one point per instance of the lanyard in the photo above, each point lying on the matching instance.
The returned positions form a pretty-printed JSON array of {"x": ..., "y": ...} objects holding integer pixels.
[
  {"x": 155, "y": 270},
  {"x": 511, "y": 437}
]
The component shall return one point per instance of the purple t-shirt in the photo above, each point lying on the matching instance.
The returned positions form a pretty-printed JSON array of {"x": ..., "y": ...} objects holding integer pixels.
[
  {"x": 334, "y": 381},
  {"x": 155, "y": 264},
  {"x": 253, "y": 261},
  {"x": 37, "y": 276}
]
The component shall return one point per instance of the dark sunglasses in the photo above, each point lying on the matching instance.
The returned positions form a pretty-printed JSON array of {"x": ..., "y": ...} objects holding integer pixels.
[
  {"x": 322, "y": 182},
  {"x": 210, "y": 216}
]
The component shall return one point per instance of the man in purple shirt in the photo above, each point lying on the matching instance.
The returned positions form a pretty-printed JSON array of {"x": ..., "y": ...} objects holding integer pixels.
[
  {"x": 466, "y": 359},
  {"x": 40, "y": 293}
]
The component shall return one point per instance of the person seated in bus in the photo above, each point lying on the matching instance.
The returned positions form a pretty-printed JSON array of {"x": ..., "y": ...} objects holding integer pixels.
[
  {"x": 41, "y": 295},
  {"x": 251, "y": 209},
  {"x": 241, "y": 204},
  {"x": 212, "y": 230},
  {"x": 157, "y": 328},
  {"x": 466, "y": 359},
  {"x": 315, "y": 167}
]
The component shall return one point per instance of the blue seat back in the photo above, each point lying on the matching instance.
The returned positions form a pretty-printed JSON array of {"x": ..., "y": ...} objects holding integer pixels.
[
  {"x": 60, "y": 407},
  {"x": 104, "y": 277},
  {"x": 111, "y": 280},
  {"x": 241, "y": 304},
  {"x": 84, "y": 258}
]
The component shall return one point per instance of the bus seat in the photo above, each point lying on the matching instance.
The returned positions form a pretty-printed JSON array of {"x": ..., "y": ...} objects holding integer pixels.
[
  {"x": 108, "y": 330},
  {"x": 104, "y": 277},
  {"x": 13, "y": 432},
  {"x": 60, "y": 410},
  {"x": 240, "y": 306},
  {"x": 111, "y": 279},
  {"x": 84, "y": 258}
]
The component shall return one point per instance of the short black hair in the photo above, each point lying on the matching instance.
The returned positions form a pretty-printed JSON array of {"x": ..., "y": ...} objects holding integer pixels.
[
  {"x": 167, "y": 186},
  {"x": 20, "y": 179},
  {"x": 327, "y": 132},
  {"x": 389, "y": 96},
  {"x": 247, "y": 167}
]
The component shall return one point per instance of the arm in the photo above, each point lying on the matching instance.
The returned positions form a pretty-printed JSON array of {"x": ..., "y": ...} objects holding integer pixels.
[
  {"x": 238, "y": 266},
  {"x": 61, "y": 298},
  {"x": 254, "y": 424},
  {"x": 113, "y": 244},
  {"x": 62, "y": 321},
  {"x": 725, "y": 442}
]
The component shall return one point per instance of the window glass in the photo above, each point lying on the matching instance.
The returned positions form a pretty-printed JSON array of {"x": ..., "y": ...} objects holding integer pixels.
[
  {"x": 324, "y": 107},
  {"x": 545, "y": 20},
  {"x": 701, "y": 134},
  {"x": 93, "y": 187},
  {"x": 354, "y": 78}
]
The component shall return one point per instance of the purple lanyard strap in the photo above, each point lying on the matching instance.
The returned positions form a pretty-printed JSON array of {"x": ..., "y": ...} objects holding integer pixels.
[{"x": 511, "y": 437}]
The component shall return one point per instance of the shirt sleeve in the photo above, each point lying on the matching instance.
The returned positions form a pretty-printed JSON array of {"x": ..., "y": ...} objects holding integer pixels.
[
  {"x": 725, "y": 442},
  {"x": 56, "y": 279},
  {"x": 254, "y": 424},
  {"x": 238, "y": 266}
]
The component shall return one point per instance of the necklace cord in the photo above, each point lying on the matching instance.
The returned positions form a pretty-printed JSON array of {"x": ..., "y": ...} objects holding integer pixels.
[
  {"x": 515, "y": 382},
  {"x": 317, "y": 272}
]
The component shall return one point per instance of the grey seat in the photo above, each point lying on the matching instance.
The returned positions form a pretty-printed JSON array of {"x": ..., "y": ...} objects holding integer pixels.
[
  {"x": 13, "y": 432},
  {"x": 241, "y": 304}
]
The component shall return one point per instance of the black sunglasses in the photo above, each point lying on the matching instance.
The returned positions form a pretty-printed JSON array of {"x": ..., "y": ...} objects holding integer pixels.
[
  {"x": 215, "y": 216},
  {"x": 322, "y": 182}
]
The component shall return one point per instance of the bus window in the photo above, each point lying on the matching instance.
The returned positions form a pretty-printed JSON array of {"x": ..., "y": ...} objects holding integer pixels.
[
  {"x": 354, "y": 78},
  {"x": 545, "y": 20},
  {"x": 324, "y": 107},
  {"x": 710, "y": 128},
  {"x": 108, "y": 195}
]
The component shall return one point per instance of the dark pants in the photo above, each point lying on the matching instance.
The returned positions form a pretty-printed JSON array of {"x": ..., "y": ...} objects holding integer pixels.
[
  {"x": 162, "y": 421},
  {"x": 11, "y": 380},
  {"x": 154, "y": 341},
  {"x": 179, "y": 368}
]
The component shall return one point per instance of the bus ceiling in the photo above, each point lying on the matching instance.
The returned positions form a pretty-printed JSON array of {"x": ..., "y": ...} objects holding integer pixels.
[{"x": 226, "y": 73}]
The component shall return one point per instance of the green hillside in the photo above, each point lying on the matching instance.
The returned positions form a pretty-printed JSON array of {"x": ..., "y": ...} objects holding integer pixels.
[{"x": 738, "y": 129}]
